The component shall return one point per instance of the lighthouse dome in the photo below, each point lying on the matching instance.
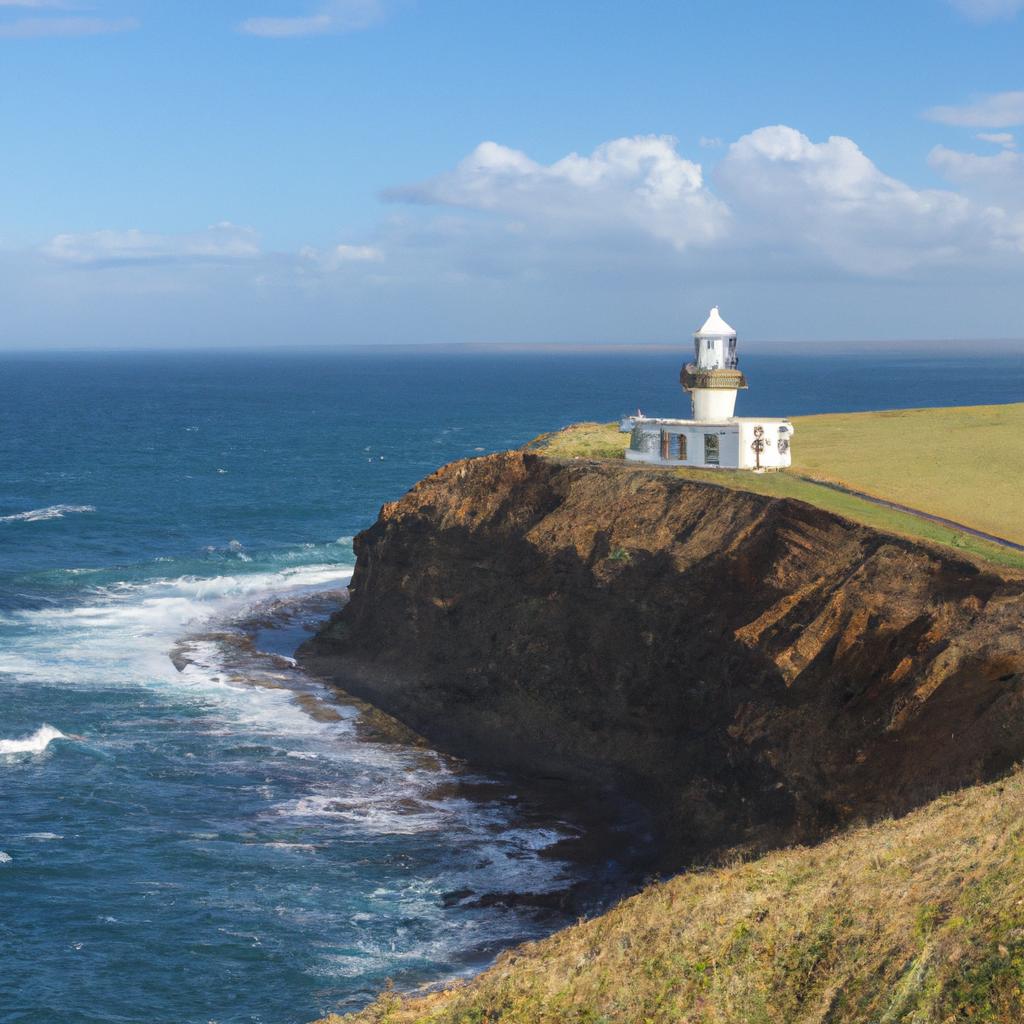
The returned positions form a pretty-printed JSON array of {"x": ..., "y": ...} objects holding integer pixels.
[{"x": 715, "y": 326}]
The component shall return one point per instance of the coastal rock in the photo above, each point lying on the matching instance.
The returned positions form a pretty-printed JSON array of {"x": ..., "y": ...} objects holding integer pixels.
[{"x": 756, "y": 671}]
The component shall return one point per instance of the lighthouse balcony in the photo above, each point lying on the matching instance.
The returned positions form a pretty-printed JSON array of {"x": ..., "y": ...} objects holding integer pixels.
[{"x": 692, "y": 376}]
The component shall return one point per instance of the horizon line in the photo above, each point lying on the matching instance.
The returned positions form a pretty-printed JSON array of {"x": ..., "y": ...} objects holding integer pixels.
[{"x": 488, "y": 346}]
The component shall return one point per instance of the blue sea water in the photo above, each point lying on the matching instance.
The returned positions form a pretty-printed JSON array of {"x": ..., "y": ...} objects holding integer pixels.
[{"x": 200, "y": 847}]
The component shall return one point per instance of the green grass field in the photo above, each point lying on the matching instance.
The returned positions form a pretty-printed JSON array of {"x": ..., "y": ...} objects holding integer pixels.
[{"x": 964, "y": 464}]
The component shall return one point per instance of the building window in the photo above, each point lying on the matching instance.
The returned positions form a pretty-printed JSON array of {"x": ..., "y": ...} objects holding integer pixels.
[
  {"x": 711, "y": 449},
  {"x": 644, "y": 441},
  {"x": 682, "y": 447}
]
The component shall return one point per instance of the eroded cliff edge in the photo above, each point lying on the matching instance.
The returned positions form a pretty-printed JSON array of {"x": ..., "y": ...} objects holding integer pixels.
[{"x": 757, "y": 671}]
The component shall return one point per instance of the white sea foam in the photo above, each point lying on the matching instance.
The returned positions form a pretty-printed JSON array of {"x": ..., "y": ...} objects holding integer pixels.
[
  {"x": 5, "y": 858},
  {"x": 36, "y": 515},
  {"x": 122, "y": 634},
  {"x": 34, "y": 744}
]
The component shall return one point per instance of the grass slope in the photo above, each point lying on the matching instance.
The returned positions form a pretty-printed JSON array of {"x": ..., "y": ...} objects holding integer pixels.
[
  {"x": 964, "y": 464},
  {"x": 915, "y": 921}
]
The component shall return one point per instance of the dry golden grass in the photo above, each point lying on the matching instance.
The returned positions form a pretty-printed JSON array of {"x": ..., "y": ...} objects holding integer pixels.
[{"x": 919, "y": 921}]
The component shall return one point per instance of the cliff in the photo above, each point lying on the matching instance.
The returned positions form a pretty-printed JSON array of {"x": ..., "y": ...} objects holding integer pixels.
[{"x": 757, "y": 671}]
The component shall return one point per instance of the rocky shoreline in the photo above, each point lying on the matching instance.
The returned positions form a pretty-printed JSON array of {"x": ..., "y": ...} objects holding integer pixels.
[{"x": 603, "y": 851}]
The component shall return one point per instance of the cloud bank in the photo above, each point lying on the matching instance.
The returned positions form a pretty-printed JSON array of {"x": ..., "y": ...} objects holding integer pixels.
[
  {"x": 602, "y": 245},
  {"x": 775, "y": 190},
  {"x": 220, "y": 242}
]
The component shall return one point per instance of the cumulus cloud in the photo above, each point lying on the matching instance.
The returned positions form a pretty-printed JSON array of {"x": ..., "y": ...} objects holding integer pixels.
[
  {"x": 105, "y": 248},
  {"x": 631, "y": 184},
  {"x": 829, "y": 199},
  {"x": 39, "y": 28},
  {"x": 338, "y": 16},
  {"x": 988, "y": 10},
  {"x": 776, "y": 197},
  {"x": 998, "y": 110}
]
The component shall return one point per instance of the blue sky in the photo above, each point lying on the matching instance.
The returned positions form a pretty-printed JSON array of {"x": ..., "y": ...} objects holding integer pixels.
[{"x": 295, "y": 172}]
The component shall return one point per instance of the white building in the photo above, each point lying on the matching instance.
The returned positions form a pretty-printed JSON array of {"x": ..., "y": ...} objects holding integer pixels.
[{"x": 714, "y": 437}]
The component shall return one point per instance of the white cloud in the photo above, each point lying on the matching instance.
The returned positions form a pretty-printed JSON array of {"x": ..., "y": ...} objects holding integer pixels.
[
  {"x": 829, "y": 200},
  {"x": 340, "y": 255},
  {"x": 98, "y": 248},
  {"x": 988, "y": 10},
  {"x": 1005, "y": 139},
  {"x": 39, "y": 28},
  {"x": 776, "y": 199},
  {"x": 638, "y": 184},
  {"x": 995, "y": 181},
  {"x": 338, "y": 16},
  {"x": 998, "y": 110}
]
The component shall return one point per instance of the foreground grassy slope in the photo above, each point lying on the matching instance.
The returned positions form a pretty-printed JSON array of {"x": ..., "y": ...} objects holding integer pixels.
[
  {"x": 919, "y": 921},
  {"x": 963, "y": 464}
]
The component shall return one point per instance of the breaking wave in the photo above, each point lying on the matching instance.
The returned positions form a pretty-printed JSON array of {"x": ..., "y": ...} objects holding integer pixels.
[
  {"x": 34, "y": 744},
  {"x": 37, "y": 515}
]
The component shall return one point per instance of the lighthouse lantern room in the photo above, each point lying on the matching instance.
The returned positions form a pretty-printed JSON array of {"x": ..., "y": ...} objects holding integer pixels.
[
  {"x": 713, "y": 378},
  {"x": 715, "y": 437}
]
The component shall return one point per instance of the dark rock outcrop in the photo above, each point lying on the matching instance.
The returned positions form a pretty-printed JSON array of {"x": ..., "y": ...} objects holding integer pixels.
[{"x": 757, "y": 671}]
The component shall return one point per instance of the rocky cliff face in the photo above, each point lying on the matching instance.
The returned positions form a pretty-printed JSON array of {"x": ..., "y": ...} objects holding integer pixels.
[{"x": 757, "y": 671}]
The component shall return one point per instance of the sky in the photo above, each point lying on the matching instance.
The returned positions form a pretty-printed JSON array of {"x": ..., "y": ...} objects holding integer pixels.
[{"x": 300, "y": 173}]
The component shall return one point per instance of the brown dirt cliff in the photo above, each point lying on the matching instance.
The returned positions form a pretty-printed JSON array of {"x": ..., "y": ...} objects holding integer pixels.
[{"x": 756, "y": 671}]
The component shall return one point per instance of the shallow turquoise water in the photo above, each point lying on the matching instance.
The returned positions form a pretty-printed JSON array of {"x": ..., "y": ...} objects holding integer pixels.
[{"x": 206, "y": 850}]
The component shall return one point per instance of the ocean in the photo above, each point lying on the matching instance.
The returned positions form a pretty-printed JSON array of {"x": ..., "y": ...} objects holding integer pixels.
[{"x": 190, "y": 830}]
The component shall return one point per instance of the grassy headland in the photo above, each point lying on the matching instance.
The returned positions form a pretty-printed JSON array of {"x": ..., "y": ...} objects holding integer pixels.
[
  {"x": 915, "y": 920},
  {"x": 919, "y": 921},
  {"x": 964, "y": 464}
]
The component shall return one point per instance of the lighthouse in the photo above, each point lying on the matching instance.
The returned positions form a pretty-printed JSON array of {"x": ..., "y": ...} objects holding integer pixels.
[
  {"x": 715, "y": 438},
  {"x": 713, "y": 378}
]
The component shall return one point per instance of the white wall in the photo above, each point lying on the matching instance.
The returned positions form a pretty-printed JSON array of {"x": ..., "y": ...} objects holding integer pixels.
[
  {"x": 734, "y": 444},
  {"x": 715, "y": 404},
  {"x": 771, "y": 457}
]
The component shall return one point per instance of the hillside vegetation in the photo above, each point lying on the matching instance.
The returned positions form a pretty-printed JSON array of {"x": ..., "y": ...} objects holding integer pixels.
[
  {"x": 964, "y": 464},
  {"x": 915, "y": 921}
]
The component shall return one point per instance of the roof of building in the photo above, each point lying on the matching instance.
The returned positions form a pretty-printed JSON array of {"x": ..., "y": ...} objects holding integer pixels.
[
  {"x": 735, "y": 421},
  {"x": 715, "y": 325}
]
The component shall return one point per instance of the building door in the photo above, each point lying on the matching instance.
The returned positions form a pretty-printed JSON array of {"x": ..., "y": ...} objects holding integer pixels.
[
  {"x": 666, "y": 439},
  {"x": 711, "y": 449},
  {"x": 682, "y": 447}
]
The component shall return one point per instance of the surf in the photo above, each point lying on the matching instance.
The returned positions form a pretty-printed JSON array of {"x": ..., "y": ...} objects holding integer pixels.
[
  {"x": 37, "y": 515},
  {"x": 36, "y": 743}
]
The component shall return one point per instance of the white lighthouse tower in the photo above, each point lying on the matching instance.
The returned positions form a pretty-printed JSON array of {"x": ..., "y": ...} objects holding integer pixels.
[{"x": 713, "y": 378}]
